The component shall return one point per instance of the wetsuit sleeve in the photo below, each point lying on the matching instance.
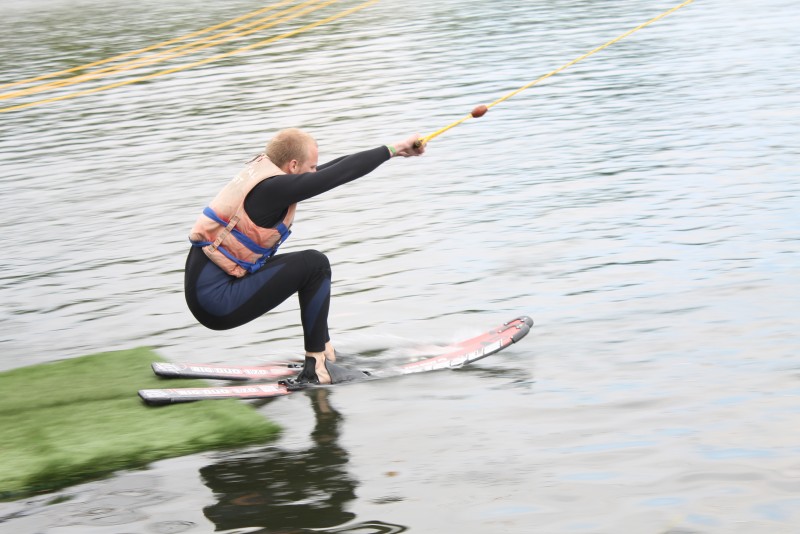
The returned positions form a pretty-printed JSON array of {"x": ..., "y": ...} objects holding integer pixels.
[
  {"x": 298, "y": 187},
  {"x": 332, "y": 162},
  {"x": 268, "y": 201}
]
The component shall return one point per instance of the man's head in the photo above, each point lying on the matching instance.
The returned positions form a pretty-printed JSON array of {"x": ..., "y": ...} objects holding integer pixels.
[{"x": 293, "y": 151}]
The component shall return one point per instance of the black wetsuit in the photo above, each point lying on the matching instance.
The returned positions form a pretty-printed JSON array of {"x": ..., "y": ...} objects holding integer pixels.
[{"x": 221, "y": 301}]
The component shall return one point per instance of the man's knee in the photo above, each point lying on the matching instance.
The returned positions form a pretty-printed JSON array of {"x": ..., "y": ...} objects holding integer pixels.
[{"x": 318, "y": 260}]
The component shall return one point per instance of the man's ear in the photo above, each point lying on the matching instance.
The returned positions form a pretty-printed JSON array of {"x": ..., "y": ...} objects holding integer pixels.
[{"x": 292, "y": 166}]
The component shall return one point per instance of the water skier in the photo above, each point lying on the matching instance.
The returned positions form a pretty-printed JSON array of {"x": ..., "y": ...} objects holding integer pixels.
[{"x": 232, "y": 272}]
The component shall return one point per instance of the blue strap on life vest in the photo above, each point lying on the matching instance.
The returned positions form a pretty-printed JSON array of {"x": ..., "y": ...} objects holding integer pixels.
[{"x": 265, "y": 253}]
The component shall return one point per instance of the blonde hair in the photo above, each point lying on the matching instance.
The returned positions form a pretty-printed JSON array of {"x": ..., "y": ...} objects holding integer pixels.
[{"x": 289, "y": 144}]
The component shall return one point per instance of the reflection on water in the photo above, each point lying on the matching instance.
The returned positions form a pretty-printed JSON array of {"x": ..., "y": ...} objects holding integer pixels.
[{"x": 286, "y": 491}]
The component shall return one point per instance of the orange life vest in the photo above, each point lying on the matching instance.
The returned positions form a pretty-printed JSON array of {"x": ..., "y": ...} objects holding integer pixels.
[{"x": 225, "y": 232}]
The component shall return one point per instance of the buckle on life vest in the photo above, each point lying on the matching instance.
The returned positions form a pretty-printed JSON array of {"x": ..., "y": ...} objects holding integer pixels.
[{"x": 224, "y": 233}]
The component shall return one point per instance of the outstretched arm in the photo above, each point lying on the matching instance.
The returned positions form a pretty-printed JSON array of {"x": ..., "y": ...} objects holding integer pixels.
[
  {"x": 269, "y": 199},
  {"x": 290, "y": 188}
]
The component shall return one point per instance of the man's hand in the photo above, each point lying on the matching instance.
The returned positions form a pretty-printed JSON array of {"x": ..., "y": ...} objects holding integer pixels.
[{"x": 407, "y": 147}]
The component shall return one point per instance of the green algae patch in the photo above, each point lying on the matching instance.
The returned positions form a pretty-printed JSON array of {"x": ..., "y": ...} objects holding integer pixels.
[{"x": 79, "y": 419}]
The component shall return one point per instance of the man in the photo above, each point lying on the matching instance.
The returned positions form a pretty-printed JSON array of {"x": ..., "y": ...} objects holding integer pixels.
[{"x": 232, "y": 273}]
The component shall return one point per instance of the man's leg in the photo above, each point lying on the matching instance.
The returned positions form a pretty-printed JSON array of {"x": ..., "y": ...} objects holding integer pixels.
[
  {"x": 234, "y": 302},
  {"x": 315, "y": 299}
]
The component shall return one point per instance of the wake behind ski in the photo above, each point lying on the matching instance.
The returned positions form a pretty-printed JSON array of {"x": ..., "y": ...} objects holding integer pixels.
[{"x": 458, "y": 355}]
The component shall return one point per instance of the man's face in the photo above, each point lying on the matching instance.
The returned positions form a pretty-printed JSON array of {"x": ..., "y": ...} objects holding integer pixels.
[{"x": 310, "y": 164}]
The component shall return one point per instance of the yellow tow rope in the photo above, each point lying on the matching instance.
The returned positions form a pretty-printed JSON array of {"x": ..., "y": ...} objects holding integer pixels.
[
  {"x": 181, "y": 50},
  {"x": 481, "y": 110},
  {"x": 308, "y": 6},
  {"x": 147, "y": 49}
]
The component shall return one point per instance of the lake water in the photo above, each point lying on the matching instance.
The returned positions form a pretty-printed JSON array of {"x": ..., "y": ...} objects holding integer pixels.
[{"x": 641, "y": 206}]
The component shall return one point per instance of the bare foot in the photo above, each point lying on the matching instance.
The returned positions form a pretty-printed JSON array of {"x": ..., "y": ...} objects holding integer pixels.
[
  {"x": 319, "y": 367},
  {"x": 330, "y": 353}
]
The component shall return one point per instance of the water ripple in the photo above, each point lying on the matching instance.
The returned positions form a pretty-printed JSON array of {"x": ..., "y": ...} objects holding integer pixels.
[{"x": 641, "y": 206}]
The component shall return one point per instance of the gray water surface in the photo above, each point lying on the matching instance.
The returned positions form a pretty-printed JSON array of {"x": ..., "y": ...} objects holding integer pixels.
[{"x": 641, "y": 206}]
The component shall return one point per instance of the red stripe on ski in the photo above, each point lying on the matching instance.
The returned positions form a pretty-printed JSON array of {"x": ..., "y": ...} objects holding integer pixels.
[
  {"x": 474, "y": 348},
  {"x": 222, "y": 372},
  {"x": 169, "y": 396}
]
